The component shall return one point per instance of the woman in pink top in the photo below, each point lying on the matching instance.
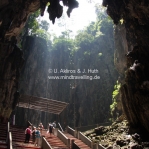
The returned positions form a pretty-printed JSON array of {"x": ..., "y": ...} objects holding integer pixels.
[{"x": 28, "y": 133}]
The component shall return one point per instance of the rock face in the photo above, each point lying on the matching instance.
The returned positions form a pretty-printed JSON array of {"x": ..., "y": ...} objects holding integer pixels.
[
  {"x": 121, "y": 48},
  {"x": 13, "y": 15},
  {"x": 86, "y": 100},
  {"x": 11, "y": 62},
  {"x": 117, "y": 136},
  {"x": 135, "y": 89},
  {"x": 34, "y": 73},
  {"x": 33, "y": 78},
  {"x": 88, "y": 103}
]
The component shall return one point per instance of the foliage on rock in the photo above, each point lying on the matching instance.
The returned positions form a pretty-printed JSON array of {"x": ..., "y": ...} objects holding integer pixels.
[{"x": 115, "y": 95}]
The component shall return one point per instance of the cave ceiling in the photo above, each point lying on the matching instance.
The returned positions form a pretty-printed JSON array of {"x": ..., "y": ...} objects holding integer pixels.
[{"x": 14, "y": 13}]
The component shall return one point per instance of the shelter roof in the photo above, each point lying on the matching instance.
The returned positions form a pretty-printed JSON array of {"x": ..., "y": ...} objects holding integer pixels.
[{"x": 42, "y": 104}]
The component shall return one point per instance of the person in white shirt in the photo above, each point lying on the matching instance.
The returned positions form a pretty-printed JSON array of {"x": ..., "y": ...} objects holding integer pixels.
[{"x": 54, "y": 124}]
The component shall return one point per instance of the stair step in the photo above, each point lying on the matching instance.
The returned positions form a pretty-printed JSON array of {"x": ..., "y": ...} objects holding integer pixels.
[
  {"x": 3, "y": 145},
  {"x": 54, "y": 141},
  {"x": 59, "y": 147},
  {"x": 78, "y": 142},
  {"x": 25, "y": 147},
  {"x": 3, "y": 138}
]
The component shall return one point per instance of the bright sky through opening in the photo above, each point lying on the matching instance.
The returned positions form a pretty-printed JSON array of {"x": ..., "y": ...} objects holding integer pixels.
[{"x": 79, "y": 18}]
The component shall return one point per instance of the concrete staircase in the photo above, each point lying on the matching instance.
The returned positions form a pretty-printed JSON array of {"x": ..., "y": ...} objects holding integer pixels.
[
  {"x": 78, "y": 142},
  {"x": 65, "y": 140},
  {"x": 3, "y": 145},
  {"x": 54, "y": 141},
  {"x": 18, "y": 138},
  {"x": 17, "y": 134},
  {"x": 3, "y": 135}
]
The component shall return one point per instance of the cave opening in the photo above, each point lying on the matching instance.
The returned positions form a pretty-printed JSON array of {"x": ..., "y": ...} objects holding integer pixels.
[{"x": 100, "y": 74}]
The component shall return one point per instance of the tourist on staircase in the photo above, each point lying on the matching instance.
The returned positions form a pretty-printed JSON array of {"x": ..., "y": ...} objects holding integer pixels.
[
  {"x": 54, "y": 126},
  {"x": 28, "y": 133},
  {"x": 37, "y": 137},
  {"x": 41, "y": 127},
  {"x": 50, "y": 128},
  {"x": 33, "y": 134}
]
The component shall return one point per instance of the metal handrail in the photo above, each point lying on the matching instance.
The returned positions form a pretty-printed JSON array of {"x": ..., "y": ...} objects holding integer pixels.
[
  {"x": 62, "y": 137},
  {"x": 45, "y": 144},
  {"x": 8, "y": 129},
  {"x": 9, "y": 137},
  {"x": 10, "y": 141},
  {"x": 60, "y": 127}
]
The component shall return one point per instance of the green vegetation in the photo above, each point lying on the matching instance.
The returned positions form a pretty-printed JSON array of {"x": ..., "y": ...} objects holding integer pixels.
[
  {"x": 35, "y": 27},
  {"x": 114, "y": 97}
]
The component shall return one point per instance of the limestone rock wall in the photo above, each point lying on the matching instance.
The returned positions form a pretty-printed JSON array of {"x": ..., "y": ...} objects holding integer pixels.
[
  {"x": 33, "y": 79},
  {"x": 135, "y": 89},
  {"x": 33, "y": 74},
  {"x": 89, "y": 100},
  {"x": 11, "y": 62},
  {"x": 13, "y": 15},
  {"x": 121, "y": 49}
]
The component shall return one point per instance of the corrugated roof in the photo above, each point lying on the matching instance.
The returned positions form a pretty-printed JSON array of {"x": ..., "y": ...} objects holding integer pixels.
[{"x": 42, "y": 104}]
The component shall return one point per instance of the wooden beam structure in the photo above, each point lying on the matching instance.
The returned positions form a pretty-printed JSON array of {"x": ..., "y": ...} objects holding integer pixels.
[{"x": 42, "y": 104}]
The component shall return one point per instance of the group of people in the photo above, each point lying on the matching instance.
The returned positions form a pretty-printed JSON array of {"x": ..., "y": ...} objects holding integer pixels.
[{"x": 37, "y": 132}]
